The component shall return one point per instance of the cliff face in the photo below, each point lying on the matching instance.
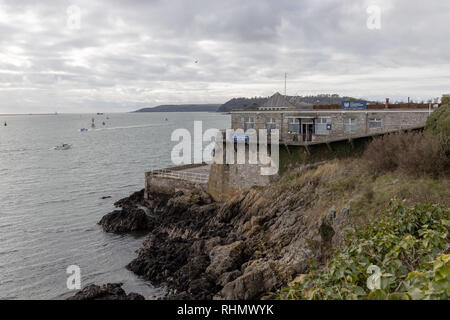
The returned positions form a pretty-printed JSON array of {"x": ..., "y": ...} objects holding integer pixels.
[
  {"x": 241, "y": 249},
  {"x": 263, "y": 238}
]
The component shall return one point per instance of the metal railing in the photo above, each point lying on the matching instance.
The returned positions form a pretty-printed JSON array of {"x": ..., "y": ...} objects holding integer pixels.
[{"x": 180, "y": 175}]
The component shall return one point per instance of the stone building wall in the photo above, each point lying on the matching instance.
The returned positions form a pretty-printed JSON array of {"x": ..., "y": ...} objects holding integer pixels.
[{"x": 392, "y": 120}]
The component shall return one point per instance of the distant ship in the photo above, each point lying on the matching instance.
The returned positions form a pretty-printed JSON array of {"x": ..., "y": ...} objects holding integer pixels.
[
  {"x": 99, "y": 113},
  {"x": 63, "y": 146}
]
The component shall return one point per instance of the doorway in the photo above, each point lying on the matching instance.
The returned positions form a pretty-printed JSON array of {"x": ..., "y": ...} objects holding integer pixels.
[{"x": 307, "y": 129}]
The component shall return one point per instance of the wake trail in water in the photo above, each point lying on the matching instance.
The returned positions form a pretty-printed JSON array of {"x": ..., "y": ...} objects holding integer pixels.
[{"x": 129, "y": 127}]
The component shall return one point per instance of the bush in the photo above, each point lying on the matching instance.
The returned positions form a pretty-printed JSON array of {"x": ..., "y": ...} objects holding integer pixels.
[
  {"x": 412, "y": 153},
  {"x": 438, "y": 124},
  {"x": 408, "y": 247}
]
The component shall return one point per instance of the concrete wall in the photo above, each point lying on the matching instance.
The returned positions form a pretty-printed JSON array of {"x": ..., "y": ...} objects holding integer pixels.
[
  {"x": 164, "y": 185},
  {"x": 227, "y": 180}
]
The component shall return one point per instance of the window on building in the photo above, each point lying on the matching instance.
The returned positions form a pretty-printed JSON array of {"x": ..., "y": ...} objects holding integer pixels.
[
  {"x": 322, "y": 125},
  {"x": 294, "y": 125},
  {"x": 375, "y": 123},
  {"x": 350, "y": 125},
  {"x": 249, "y": 123},
  {"x": 270, "y": 124}
]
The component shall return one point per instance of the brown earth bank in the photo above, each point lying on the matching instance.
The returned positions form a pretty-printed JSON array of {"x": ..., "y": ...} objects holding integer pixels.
[{"x": 263, "y": 238}]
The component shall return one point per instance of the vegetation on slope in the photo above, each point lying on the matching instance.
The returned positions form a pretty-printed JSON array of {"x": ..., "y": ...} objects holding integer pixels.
[
  {"x": 409, "y": 246},
  {"x": 438, "y": 124},
  {"x": 417, "y": 154}
]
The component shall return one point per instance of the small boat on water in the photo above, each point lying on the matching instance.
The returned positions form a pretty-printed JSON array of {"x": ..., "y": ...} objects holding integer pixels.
[
  {"x": 63, "y": 146},
  {"x": 84, "y": 129}
]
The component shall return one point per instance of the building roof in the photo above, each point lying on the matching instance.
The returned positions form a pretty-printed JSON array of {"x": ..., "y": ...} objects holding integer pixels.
[{"x": 277, "y": 101}]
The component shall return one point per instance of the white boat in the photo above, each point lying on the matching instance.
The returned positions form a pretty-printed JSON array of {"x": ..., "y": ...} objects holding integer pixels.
[{"x": 63, "y": 146}]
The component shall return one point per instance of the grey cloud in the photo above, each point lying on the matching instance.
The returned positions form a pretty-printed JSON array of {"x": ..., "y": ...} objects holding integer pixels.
[{"x": 130, "y": 53}]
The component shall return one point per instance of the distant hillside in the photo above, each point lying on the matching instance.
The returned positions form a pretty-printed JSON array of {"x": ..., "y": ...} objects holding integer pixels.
[
  {"x": 299, "y": 101},
  {"x": 182, "y": 108},
  {"x": 242, "y": 103}
]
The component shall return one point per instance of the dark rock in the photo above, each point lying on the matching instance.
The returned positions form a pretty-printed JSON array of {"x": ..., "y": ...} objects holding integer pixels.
[
  {"x": 110, "y": 291},
  {"x": 259, "y": 279},
  {"x": 228, "y": 277},
  {"x": 225, "y": 258},
  {"x": 125, "y": 220},
  {"x": 105, "y": 197},
  {"x": 130, "y": 217}
]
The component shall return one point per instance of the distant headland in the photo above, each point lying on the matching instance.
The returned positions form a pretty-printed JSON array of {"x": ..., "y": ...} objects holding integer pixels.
[
  {"x": 249, "y": 104},
  {"x": 182, "y": 108}
]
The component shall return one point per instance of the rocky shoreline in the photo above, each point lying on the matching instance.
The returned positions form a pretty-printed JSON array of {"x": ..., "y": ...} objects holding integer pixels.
[
  {"x": 242, "y": 249},
  {"x": 110, "y": 291}
]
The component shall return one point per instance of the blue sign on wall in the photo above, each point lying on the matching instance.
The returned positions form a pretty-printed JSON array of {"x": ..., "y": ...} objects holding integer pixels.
[
  {"x": 240, "y": 137},
  {"x": 354, "y": 104}
]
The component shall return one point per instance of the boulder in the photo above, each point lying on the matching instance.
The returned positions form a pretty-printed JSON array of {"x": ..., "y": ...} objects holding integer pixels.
[
  {"x": 109, "y": 291},
  {"x": 127, "y": 219},
  {"x": 225, "y": 258},
  {"x": 258, "y": 279}
]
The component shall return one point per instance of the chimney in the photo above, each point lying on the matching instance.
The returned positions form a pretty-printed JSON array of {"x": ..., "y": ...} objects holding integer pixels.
[{"x": 387, "y": 103}]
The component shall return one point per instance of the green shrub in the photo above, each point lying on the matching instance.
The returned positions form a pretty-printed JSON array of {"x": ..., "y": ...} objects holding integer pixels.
[
  {"x": 408, "y": 245},
  {"x": 438, "y": 124}
]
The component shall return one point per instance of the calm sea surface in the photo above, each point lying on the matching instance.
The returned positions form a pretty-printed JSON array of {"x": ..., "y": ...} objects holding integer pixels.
[{"x": 50, "y": 201}]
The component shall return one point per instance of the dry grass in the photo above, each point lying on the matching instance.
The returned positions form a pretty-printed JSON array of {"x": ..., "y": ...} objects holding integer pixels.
[
  {"x": 412, "y": 153},
  {"x": 347, "y": 182}
]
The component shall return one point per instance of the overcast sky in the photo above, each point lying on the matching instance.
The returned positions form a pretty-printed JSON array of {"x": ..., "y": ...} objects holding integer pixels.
[{"x": 129, "y": 54}]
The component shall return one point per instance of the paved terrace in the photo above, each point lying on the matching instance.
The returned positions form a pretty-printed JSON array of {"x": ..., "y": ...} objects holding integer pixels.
[{"x": 196, "y": 173}]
